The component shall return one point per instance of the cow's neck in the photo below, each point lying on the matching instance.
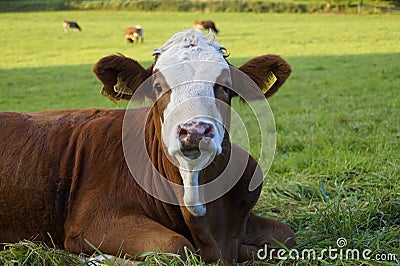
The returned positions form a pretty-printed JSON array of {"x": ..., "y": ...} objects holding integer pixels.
[
  {"x": 195, "y": 227},
  {"x": 190, "y": 197}
]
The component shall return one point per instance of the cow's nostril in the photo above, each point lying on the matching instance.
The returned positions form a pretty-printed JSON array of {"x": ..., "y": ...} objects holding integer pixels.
[
  {"x": 183, "y": 133},
  {"x": 196, "y": 131},
  {"x": 209, "y": 131}
]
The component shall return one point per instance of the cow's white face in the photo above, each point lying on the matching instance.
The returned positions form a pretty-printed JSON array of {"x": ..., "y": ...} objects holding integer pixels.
[{"x": 190, "y": 75}]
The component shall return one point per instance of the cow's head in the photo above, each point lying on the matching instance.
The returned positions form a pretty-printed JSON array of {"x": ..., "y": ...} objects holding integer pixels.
[{"x": 191, "y": 86}]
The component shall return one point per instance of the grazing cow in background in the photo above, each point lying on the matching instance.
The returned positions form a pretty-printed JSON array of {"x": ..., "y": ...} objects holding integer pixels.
[
  {"x": 205, "y": 25},
  {"x": 131, "y": 181},
  {"x": 133, "y": 34},
  {"x": 70, "y": 25}
]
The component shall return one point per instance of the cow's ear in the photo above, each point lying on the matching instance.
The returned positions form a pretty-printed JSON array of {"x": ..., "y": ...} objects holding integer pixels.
[
  {"x": 121, "y": 76},
  {"x": 269, "y": 72}
]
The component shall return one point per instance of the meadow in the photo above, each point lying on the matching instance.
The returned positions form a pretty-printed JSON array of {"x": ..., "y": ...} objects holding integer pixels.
[{"x": 336, "y": 169}]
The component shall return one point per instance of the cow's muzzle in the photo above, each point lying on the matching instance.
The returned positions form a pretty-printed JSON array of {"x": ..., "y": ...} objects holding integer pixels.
[{"x": 191, "y": 133}]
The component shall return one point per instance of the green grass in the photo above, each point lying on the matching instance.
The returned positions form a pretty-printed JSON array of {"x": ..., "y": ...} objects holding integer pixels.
[
  {"x": 336, "y": 168},
  {"x": 35, "y": 253}
]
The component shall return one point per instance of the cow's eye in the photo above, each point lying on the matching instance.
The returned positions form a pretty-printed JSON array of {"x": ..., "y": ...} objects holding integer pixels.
[
  {"x": 226, "y": 89},
  {"x": 158, "y": 87},
  {"x": 221, "y": 89}
]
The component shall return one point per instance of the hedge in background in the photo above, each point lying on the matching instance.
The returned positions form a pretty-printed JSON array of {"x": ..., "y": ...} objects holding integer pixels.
[{"x": 262, "y": 6}]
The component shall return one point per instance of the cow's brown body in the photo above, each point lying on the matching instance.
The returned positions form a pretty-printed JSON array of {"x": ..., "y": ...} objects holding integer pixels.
[
  {"x": 63, "y": 175},
  {"x": 35, "y": 163}
]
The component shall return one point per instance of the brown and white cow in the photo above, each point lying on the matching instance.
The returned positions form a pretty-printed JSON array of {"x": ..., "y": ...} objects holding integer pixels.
[
  {"x": 205, "y": 25},
  {"x": 133, "y": 34},
  {"x": 133, "y": 180}
]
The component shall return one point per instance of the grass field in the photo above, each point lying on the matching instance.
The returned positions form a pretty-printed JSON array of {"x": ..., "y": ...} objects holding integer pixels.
[{"x": 336, "y": 170}]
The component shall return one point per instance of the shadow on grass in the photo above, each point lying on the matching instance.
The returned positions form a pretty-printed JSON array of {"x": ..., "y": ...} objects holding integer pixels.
[
  {"x": 53, "y": 87},
  {"x": 314, "y": 77}
]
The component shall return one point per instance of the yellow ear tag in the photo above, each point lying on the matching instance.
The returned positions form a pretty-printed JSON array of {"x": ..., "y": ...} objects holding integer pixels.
[{"x": 270, "y": 80}]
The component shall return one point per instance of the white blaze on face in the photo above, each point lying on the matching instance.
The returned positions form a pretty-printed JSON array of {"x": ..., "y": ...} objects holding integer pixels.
[{"x": 191, "y": 64}]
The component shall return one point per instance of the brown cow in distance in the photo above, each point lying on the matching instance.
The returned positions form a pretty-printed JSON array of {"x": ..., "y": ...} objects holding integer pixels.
[
  {"x": 205, "y": 25},
  {"x": 156, "y": 178},
  {"x": 133, "y": 34}
]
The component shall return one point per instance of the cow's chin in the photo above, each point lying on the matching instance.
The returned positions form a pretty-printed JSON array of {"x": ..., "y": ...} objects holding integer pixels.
[{"x": 195, "y": 159}]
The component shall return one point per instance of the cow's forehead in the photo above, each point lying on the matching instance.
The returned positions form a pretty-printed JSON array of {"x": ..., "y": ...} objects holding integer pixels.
[{"x": 190, "y": 56}]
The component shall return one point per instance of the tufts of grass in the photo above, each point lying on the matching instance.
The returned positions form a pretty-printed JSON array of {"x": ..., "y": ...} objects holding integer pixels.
[
  {"x": 35, "y": 253},
  {"x": 154, "y": 258}
]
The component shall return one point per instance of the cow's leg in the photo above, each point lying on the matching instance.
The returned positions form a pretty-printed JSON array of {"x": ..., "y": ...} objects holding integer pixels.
[
  {"x": 262, "y": 231},
  {"x": 132, "y": 234}
]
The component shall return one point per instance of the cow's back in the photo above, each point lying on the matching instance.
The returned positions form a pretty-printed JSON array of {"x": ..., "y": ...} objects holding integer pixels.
[{"x": 33, "y": 149}]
